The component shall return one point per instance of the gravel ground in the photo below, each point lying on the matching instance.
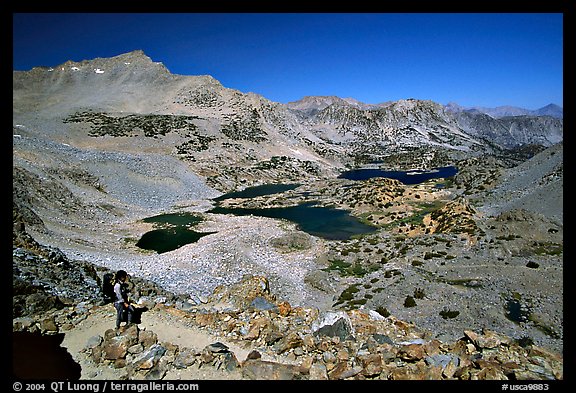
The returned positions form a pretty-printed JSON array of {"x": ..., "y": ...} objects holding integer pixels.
[
  {"x": 146, "y": 180},
  {"x": 522, "y": 187},
  {"x": 240, "y": 246}
]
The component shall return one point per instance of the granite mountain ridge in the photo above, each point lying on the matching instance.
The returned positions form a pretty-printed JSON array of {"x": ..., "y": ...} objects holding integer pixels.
[{"x": 324, "y": 130}]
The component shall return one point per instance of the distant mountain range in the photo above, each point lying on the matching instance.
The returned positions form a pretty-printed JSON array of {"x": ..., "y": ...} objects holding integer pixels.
[
  {"x": 552, "y": 110},
  {"x": 132, "y": 96},
  {"x": 313, "y": 104}
]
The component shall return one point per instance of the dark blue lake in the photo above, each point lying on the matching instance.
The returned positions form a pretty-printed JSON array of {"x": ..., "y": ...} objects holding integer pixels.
[
  {"x": 406, "y": 177},
  {"x": 252, "y": 192},
  {"x": 168, "y": 239},
  {"x": 325, "y": 222}
]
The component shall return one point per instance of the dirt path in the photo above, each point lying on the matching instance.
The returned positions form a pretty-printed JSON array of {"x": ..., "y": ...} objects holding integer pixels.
[{"x": 168, "y": 327}]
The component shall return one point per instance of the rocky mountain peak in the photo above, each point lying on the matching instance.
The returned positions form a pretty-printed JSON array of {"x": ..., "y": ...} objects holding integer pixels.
[
  {"x": 316, "y": 102},
  {"x": 453, "y": 107},
  {"x": 135, "y": 55},
  {"x": 551, "y": 110},
  {"x": 411, "y": 104},
  {"x": 99, "y": 65}
]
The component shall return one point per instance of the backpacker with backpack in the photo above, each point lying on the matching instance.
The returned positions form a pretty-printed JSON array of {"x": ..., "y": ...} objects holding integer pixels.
[{"x": 108, "y": 288}]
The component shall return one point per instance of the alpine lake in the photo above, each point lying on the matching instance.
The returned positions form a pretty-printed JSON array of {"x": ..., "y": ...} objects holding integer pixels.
[{"x": 174, "y": 230}]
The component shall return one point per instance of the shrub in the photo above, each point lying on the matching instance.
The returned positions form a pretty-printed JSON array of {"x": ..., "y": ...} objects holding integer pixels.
[
  {"x": 347, "y": 294},
  {"x": 409, "y": 301},
  {"x": 383, "y": 311},
  {"x": 446, "y": 313},
  {"x": 358, "y": 270},
  {"x": 419, "y": 293},
  {"x": 524, "y": 341}
]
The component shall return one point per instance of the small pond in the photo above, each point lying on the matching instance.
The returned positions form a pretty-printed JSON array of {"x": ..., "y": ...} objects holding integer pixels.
[
  {"x": 515, "y": 312},
  {"x": 174, "y": 232},
  {"x": 406, "y": 177}
]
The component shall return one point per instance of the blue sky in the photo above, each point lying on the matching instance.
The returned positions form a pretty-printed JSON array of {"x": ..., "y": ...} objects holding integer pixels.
[{"x": 473, "y": 59}]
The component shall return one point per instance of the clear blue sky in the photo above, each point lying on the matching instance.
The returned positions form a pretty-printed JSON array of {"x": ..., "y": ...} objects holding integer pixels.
[{"x": 473, "y": 59}]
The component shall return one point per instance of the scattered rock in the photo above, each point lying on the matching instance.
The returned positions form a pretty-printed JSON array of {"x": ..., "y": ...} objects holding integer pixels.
[
  {"x": 334, "y": 324},
  {"x": 267, "y": 370}
]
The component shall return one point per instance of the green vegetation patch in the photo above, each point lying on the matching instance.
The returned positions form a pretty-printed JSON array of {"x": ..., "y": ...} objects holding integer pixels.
[
  {"x": 356, "y": 269},
  {"x": 152, "y": 125},
  {"x": 547, "y": 248},
  {"x": 449, "y": 314},
  {"x": 409, "y": 301},
  {"x": 338, "y": 265},
  {"x": 347, "y": 297}
]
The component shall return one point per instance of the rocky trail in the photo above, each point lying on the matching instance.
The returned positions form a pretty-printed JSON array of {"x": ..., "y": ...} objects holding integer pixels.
[
  {"x": 243, "y": 332},
  {"x": 167, "y": 327}
]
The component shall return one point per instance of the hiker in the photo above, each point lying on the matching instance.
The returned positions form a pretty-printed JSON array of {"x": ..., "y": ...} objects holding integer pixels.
[{"x": 124, "y": 310}]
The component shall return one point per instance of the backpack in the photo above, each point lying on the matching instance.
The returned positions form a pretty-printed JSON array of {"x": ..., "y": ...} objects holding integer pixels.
[{"x": 108, "y": 288}]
